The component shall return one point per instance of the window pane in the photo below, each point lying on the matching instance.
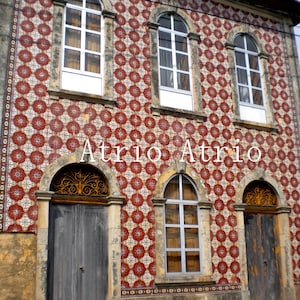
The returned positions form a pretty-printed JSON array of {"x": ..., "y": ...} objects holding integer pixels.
[
  {"x": 189, "y": 192},
  {"x": 72, "y": 59},
  {"x": 257, "y": 97},
  {"x": 166, "y": 78},
  {"x": 192, "y": 261},
  {"x": 255, "y": 79},
  {"x": 244, "y": 94},
  {"x": 253, "y": 61},
  {"x": 165, "y": 39},
  {"x": 240, "y": 59},
  {"x": 181, "y": 43},
  {"x": 93, "y": 4},
  {"x": 93, "y": 22},
  {"x": 173, "y": 262},
  {"x": 251, "y": 44},
  {"x": 182, "y": 62},
  {"x": 165, "y": 21},
  {"x": 172, "y": 214},
  {"x": 92, "y": 42},
  {"x": 173, "y": 237},
  {"x": 239, "y": 41},
  {"x": 190, "y": 214},
  {"x": 172, "y": 189},
  {"x": 179, "y": 25},
  {"x": 183, "y": 81},
  {"x": 165, "y": 58},
  {"x": 73, "y": 17},
  {"x": 191, "y": 238},
  {"x": 73, "y": 37},
  {"x": 92, "y": 63},
  {"x": 242, "y": 76}
]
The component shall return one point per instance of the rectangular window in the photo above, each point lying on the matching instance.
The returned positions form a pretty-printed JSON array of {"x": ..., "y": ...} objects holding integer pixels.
[{"x": 82, "y": 59}]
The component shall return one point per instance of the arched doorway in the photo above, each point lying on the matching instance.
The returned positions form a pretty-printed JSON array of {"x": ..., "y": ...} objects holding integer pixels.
[
  {"x": 261, "y": 235},
  {"x": 78, "y": 239}
]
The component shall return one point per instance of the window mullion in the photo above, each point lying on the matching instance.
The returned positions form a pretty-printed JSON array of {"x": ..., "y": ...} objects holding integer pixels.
[
  {"x": 173, "y": 43},
  {"x": 83, "y": 37}
]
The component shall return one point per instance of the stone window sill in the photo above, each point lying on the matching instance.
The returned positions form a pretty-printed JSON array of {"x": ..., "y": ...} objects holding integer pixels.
[
  {"x": 184, "y": 280},
  {"x": 71, "y": 95},
  {"x": 163, "y": 110},
  {"x": 254, "y": 125}
]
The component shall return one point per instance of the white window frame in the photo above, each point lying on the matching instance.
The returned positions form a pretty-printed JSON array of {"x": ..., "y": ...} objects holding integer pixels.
[
  {"x": 250, "y": 111},
  {"x": 81, "y": 80},
  {"x": 175, "y": 97},
  {"x": 181, "y": 203}
]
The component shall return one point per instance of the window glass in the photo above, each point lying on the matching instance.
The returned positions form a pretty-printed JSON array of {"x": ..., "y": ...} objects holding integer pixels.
[
  {"x": 173, "y": 261},
  {"x": 172, "y": 213},
  {"x": 251, "y": 44},
  {"x": 192, "y": 261},
  {"x": 93, "y": 42},
  {"x": 179, "y": 25},
  {"x": 73, "y": 37},
  {"x": 92, "y": 63},
  {"x": 190, "y": 214},
  {"x": 240, "y": 59},
  {"x": 181, "y": 43},
  {"x": 182, "y": 62},
  {"x": 242, "y": 76},
  {"x": 93, "y": 22},
  {"x": 165, "y": 39},
  {"x": 253, "y": 62},
  {"x": 239, "y": 41},
  {"x": 165, "y": 21},
  {"x": 73, "y": 17},
  {"x": 244, "y": 94},
  {"x": 166, "y": 58},
  {"x": 257, "y": 97},
  {"x": 72, "y": 59}
]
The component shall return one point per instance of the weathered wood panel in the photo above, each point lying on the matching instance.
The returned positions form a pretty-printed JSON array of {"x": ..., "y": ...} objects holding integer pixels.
[
  {"x": 77, "y": 252},
  {"x": 263, "y": 273}
]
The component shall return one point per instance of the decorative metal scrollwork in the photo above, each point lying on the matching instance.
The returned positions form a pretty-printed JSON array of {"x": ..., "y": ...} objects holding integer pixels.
[
  {"x": 81, "y": 180},
  {"x": 260, "y": 194}
]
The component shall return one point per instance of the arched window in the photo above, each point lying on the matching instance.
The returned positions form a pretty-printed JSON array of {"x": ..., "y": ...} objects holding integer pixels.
[
  {"x": 82, "y": 47},
  {"x": 182, "y": 232},
  {"x": 248, "y": 76},
  {"x": 174, "y": 62}
]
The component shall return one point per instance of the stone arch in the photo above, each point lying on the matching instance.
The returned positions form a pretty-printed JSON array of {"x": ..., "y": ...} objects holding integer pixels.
[
  {"x": 244, "y": 28},
  {"x": 175, "y": 168},
  {"x": 160, "y": 10},
  {"x": 259, "y": 175},
  {"x": 107, "y": 5},
  {"x": 52, "y": 169}
]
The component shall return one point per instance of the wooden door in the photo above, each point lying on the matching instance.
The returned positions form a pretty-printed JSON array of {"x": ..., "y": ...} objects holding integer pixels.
[
  {"x": 262, "y": 265},
  {"x": 77, "y": 252}
]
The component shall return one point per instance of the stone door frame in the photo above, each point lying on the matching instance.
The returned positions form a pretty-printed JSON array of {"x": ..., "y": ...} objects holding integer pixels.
[
  {"x": 114, "y": 202},
  {"x": 281, "y": 216}
]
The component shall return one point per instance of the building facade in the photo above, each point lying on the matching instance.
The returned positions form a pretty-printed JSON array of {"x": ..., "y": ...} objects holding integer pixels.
[{"x": 150, "y": 149}]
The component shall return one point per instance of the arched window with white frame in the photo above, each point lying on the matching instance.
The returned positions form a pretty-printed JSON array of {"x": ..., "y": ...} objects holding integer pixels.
[
  {"x": 182, "y": 231},
  {"x": 82, "y": 59},
  {"x": 249, "y": 79},
  {"x": 174, "y": 62}
]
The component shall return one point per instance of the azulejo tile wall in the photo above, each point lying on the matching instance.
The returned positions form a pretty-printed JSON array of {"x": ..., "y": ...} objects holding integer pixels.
[{"x": 38, "y": 130}]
